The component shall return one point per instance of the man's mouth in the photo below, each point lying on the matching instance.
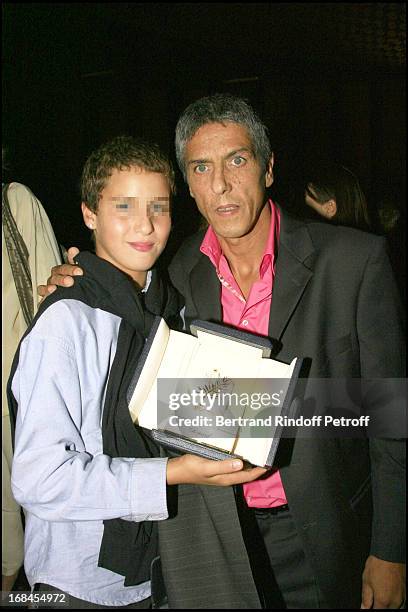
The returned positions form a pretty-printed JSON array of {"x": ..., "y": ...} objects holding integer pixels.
[{"x": 227, "y": 209}]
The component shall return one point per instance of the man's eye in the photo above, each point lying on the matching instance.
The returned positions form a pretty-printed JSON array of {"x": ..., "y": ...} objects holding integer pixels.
[
  {"x": 238, "y": 161},
  {"x": 200, "y": 169},
  {"x": 122, "y": 206}
]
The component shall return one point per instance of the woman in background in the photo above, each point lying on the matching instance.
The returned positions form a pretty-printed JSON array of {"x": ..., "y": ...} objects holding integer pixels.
[{"x": 334, "y": 192}]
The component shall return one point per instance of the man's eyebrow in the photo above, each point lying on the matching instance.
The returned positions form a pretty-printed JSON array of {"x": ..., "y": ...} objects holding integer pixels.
[
  {"x": 240, "y": 150},
  {"x": 198, "y": 161},
  {"x": 230, "y": 154}
]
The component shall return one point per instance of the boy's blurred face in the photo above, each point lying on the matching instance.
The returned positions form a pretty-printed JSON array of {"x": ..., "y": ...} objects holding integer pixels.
[{"x": 132, "y": 223}]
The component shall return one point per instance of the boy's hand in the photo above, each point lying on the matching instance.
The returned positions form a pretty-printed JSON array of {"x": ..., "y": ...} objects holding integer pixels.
[
  {"x": 190, "y": 469},
  {"x": 61, "y": 275}
]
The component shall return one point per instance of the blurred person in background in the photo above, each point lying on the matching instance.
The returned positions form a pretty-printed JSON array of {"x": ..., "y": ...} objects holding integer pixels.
[
  {"x": 29, "y": 248},
  {"x": 335, "y": 193}
]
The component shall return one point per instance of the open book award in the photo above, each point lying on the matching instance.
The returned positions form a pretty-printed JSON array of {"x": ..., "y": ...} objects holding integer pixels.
[{"x": 215, "y": 393}]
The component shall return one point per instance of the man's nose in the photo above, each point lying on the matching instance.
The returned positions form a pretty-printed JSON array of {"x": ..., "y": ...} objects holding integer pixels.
[{"x": 220, "y": 182}]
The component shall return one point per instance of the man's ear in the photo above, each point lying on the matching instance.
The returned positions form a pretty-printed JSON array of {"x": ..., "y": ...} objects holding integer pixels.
[
  {"x": 329, "y": 208},
  {"x": 89, "y": 216},
  {"x": 269, "y": 172}
]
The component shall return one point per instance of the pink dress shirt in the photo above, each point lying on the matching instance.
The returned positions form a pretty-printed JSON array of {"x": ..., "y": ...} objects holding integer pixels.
[{"x": 250, "y": 315}]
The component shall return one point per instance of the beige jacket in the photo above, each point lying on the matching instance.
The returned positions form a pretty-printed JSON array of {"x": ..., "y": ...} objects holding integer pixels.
[{"x": 35, "y": 228}]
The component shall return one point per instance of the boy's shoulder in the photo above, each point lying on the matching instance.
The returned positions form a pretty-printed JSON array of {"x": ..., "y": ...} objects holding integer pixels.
[
  {"x": 69, "y": 313},
  {"x": 75, "y": 326}
]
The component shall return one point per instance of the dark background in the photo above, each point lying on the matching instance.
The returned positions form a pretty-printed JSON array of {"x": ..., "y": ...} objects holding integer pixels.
[{"x": 328, "y": 79}]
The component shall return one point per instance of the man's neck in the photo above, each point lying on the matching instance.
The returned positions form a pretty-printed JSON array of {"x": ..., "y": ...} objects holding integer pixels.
[{"x": 244, "y": 254}]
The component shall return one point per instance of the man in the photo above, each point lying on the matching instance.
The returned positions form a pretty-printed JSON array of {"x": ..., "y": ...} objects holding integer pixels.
[{"x": 333, "y": 512}]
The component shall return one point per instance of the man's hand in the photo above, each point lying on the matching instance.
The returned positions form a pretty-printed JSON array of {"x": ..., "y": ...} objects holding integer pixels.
[
  {"x": 61, "y": 275},
  {"x": 190, "y": 469},
  {"x": 383, "y": 584}
]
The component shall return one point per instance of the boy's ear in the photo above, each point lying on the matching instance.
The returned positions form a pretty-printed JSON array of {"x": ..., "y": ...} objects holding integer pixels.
[{"x": 89, "y": 216}]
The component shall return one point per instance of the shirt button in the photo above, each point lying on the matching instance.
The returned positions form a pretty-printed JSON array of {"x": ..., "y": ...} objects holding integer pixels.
[{"x": 245, "y": 322}]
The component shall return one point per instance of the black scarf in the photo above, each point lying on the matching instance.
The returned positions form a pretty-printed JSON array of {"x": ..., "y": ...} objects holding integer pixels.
[{"x": 127, "y": 547}]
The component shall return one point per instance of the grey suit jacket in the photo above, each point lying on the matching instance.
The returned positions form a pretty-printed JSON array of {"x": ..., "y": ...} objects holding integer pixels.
[{"x": 335, "y": 302}]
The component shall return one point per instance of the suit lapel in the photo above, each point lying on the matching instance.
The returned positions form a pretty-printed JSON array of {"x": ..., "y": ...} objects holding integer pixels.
[
  {"x": 206, "y": 290},
  {"x": 293, "y": 272}
]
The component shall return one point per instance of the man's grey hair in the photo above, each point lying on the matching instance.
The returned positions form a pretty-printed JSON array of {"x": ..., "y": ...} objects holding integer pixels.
[{"x": 221, "y": 108}]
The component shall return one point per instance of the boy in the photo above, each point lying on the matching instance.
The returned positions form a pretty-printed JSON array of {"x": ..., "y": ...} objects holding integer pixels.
[{"x": 91, "y": 483}]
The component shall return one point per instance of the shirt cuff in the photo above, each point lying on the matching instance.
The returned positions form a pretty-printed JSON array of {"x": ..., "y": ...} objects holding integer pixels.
[{"x": 148, "y": 492}]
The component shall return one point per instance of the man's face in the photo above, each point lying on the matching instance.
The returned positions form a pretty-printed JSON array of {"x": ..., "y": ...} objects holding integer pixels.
[
  {"x": 132, "y": 223},
  {"x": 225, "y": 179}
]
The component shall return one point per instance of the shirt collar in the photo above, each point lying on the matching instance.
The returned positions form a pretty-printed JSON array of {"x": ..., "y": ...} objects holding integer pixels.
[{"x": 148, "y": 281}]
